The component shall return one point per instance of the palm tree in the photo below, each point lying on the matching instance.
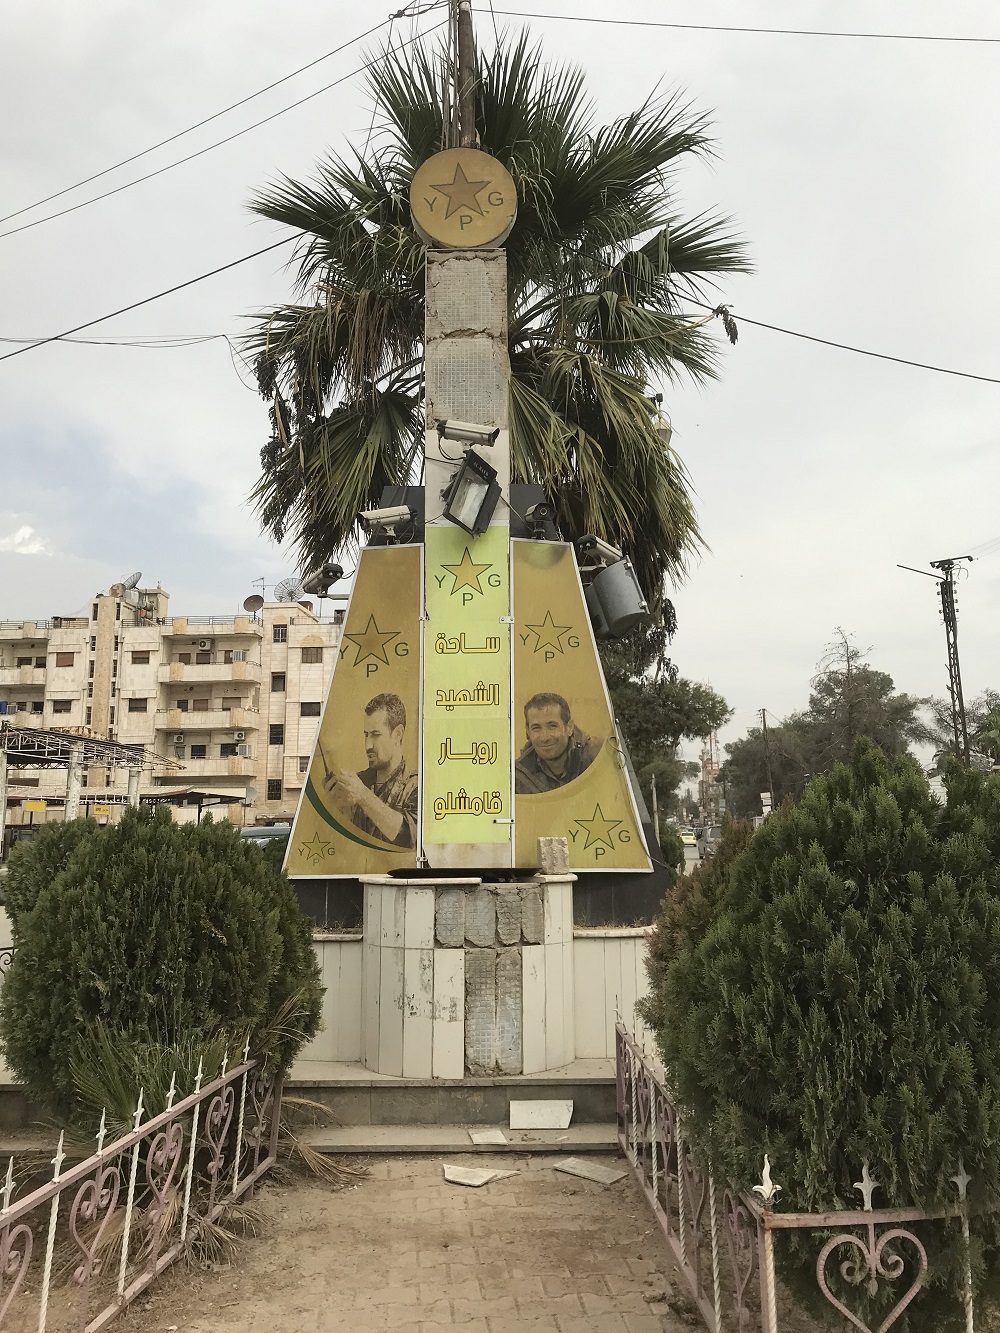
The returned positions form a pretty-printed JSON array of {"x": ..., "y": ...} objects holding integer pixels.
[{"x": 598, "y": 265}]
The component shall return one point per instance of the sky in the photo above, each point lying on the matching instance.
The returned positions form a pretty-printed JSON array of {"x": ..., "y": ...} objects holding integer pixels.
[{"x": 862, "y": 174}]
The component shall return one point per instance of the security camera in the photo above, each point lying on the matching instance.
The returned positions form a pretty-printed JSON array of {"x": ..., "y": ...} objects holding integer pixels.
[
  {"x": 592, "y": 547},
  {"x": 467, "y": 432},
  {"x": 388, "y": 520},
  {"x": 320, "y": 579},
  {"x": 536, "y": 517}
]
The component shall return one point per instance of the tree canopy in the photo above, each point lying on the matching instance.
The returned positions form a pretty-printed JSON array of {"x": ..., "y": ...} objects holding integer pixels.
[{"x": 600, "y": 261}]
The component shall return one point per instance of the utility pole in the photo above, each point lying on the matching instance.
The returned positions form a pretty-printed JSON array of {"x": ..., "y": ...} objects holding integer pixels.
[
  {"x": 656, "y": 811},
  {"x": 767, "y": 755},
  {"x": 949, "y": 611},
  {"x": 466, "y": 74}
]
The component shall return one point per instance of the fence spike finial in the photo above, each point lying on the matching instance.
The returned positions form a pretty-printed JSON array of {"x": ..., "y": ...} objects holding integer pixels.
[
  {"x": 225, "y": 1064},
  {"x": 246, "y": 1050},
  {"x": 866, "y": 1187},
  {"x": 8, "y": 1185},
  {"x": 962, "y": 1181},
  {"x": 768, "y": 1189},
  {"x": 200, "y": 1074},
  {"x": 172, "y": 1090},
  {"x": 139, "y": 1108},
  {"x": 60, "y": 1156},
  {"x": 102, "y": 1131}
]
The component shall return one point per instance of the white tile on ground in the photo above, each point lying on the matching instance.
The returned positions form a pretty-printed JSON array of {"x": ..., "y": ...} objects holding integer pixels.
[
  {"x": 474, "y": 1176},
  {"x": 481, "y": 1136},
  {"x": 577, "y": 1166},
  {"x": 541, "y": 1115}
]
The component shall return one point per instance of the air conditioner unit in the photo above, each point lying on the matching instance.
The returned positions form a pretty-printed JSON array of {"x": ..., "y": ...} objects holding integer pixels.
[
  {"x": 243, "y": 751},
  {"x": 178, "y": 738},
  {"x": 204, "y": 644},
  {"x": 239, "y": 735}
]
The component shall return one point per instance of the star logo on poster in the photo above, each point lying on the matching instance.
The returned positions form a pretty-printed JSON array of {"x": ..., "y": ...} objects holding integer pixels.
[
  {"x": 372, "y": 641},
  {"x": 315, "y": 849},
  {"x": 461, "y": 192},
  {"x": 598, "y": 828},
  {"x": 467, "y": 573},
  {"x": 549, "y": 634}
]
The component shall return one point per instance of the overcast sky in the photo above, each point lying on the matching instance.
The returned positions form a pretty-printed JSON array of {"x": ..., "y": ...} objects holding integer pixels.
[{"x": 862, "y": 173}]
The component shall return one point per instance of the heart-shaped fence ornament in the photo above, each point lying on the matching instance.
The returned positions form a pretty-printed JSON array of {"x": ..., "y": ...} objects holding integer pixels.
[
  {"x": 96, "y": 1199},
  {"x": 741, "y": 1239},
  {"x": 15, "y": 1255},
  {"x": 873, "y": 1260},
  {"x": 217, "y": 1122},
  {"x": 162, "y": 1160}
]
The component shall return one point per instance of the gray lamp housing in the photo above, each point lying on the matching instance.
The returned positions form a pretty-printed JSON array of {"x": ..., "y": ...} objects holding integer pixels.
[
  {"x": 615, "y": 601},
  {"x": 472, "y": 495}
]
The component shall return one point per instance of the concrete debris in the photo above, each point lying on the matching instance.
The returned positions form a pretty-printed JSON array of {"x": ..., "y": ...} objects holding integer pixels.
[
  {"x": 576, "y": 1166},
  {"x": 473, "y": 1176},
  {"x": 541, "y": 1115},
  {"x": 493, "y": 1136}
]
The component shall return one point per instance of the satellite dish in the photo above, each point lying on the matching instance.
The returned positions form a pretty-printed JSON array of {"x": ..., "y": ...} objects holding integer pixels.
[
  {"x": 116, "y": 590},
  {"x": 288, "y": 590},
  {"x": 130, "y": 597},
  {"x": 133, "y": 579},
  {"x": 253, "y": 603}
]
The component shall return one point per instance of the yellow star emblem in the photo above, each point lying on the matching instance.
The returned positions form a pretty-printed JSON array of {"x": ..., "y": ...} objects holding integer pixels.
[
  {"x": 598, "y": 828},
  {"x": 315, "y": 848},
  {"x": 371, "y": 642},
  {"x": 467, "y": 573},
  {"x": 549, "y": 634},
  {"x": 461, "y": 192}
]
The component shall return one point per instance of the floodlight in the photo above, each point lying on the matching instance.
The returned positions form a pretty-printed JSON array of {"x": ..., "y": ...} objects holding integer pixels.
[{"x": 472, "y": 495}]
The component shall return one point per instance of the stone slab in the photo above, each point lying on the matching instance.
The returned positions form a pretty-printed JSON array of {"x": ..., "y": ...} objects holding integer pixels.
[
  {"x": 449, "y": 918},
  {"x": 480, "y": 918},
  {"x": 508, "y": 909},
  {"x": 541, "y": 1114},
  {"x": 575, "y": 1166},
  {"x": 532, "y": 916}
]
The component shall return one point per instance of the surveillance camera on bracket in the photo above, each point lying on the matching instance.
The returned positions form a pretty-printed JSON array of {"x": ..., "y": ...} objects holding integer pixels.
[
  {"x": 468, "y": 432},
  {"x": 320, "y": 579},
  {"x": 389, "y": 521},
  {"x": 601, "y": 552},
  {"x": 536, "y": 517}
]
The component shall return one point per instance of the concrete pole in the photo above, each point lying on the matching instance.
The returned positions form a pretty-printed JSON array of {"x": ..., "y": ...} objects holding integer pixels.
[
  {"x": 134, "y": 776},
  {"x": 74, "y": 782}
]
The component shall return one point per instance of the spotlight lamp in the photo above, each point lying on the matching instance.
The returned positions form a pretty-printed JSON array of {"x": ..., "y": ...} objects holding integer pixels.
[{"x": 472, "y": 495}]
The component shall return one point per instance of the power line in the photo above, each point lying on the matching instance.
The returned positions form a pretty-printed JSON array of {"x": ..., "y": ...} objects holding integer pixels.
[
  {"x": 196, "y": 126},
  {"x": 783, "y": 32},
  {"x": 725, "y": 312},
  {"x": 147, "y": 300},
  {"x": 73, "y": 208}
]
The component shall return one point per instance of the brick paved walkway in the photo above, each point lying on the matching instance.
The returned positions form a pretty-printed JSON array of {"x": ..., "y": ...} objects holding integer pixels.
[{"x": 404, "y": 1251}]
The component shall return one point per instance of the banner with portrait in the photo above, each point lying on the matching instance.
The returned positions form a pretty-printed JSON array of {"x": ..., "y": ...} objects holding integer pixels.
[
  {"x": 569, "y": 775},
  {"x": 359, "y": 810}
]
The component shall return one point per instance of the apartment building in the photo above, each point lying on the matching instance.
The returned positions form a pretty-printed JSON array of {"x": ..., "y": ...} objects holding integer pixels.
[{"x": 226, "y": 707}]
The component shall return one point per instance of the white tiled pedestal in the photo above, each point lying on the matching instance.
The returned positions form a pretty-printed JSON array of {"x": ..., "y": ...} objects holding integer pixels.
[{"x": 461, "y": 977}]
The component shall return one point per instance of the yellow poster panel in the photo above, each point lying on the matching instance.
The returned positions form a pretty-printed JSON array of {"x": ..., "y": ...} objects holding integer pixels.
[
  {"x": 569, "y": 777},
  {"x": 466, "y": 765},
  {"x": 359, "y": 812}
]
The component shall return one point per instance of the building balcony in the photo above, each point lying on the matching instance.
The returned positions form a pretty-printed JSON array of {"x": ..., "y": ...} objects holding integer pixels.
[
  {"x": 207, "y": 673},
  {"x": 212, "y": 627},
  {"x": 190, "y": 771},
  {"x": 23, "y": 631},
  {"x": 23, "y": 675},
  {"x": 215, "y": 719},
  {"x": 22, "y": 719}
]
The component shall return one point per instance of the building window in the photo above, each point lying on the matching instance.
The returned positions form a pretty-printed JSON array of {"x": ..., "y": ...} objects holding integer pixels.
[
  {"x": 118, "y": 610},
  {"x": 114, "y": 667},
  {"x": 116, "y": 643},
  {"x": 309, "y": 710},
  {"x": 65, "y": 659},
  {"x": 140, "y": 658},
  {"x": 90, "y": 669},
  {"x": 203, "y": 659},
  {"x": 40, "y": 662},
  {"x": 62, "y": 705},
  {"x": 111, "y": 717},
  {"x": 181, "y": 705},
  {"x": 24, "y": 661},
  {"x": 199, "y": 751},
  {"x": 85, "y": 778},
  {"x": 279, "y": 634},
  {"x": 229, "y": 749},
  {"x": 274, "y": 787},
  {"x": 228, "y": 704},
  {"x": 37, "y": 706},
  {"x": 276, "y": 734},
  {"x": 93, "y": 612},
  {"x": 199, "y": 705},
  {"x": 277, "y": 682},
  {"x": 93, "y": 643},
  {"x": 89, "y": 717},
  {"x": 138, "y": 705},
  {"x": 312, "y": 654},
  {"x": 303, "y": 763},
  {"x": 90, "y": 690}
]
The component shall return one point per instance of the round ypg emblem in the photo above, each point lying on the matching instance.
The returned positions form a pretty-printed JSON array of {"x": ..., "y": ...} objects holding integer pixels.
[{"x": 463, "y": 198}]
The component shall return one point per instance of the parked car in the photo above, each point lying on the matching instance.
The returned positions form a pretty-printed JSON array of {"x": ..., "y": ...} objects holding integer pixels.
[
  {"x": 688, "y": 837},
  {"x": 708, "y": 839}
]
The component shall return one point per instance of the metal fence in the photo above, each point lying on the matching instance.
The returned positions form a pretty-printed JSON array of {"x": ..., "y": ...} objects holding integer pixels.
[
  {"x": 127, "y": 1212},
  {"x": 723, "y": 1241}
]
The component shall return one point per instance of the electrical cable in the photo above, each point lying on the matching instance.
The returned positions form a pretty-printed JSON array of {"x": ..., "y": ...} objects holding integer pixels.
[
  {"x": 783, "y": 32},
  {"x": 726, "y": 313},
  {"x": 197, "y": 125},
  {"x": 73, "y": 208},
  {"x": 147, "y": 300}
]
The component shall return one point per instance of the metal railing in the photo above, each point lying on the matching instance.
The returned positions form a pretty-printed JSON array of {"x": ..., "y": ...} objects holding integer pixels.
[
  {"x": 723, "y": 1239},
  {"x": 131, "y": 1209}
]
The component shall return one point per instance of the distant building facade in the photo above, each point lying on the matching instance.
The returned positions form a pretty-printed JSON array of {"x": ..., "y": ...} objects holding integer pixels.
[{"x": 230, "y": 705}]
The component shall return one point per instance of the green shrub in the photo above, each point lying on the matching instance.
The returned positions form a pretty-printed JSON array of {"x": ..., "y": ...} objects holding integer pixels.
[
  {"x": 161, "y": 936},
  {"x": 34, "y": 862},
  {"x": 843, "y": 1006}
]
